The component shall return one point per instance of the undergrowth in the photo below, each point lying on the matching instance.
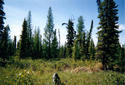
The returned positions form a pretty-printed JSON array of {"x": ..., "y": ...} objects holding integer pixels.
[{"x": 39, "y": 72}]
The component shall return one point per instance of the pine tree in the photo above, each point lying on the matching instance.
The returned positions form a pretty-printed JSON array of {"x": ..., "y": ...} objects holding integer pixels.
[
  {"x": 14, "y": 44},
  {"x": 122, "y": 59},
  {"x": 5, "y": 43},
  {"x": 108, "y": 42},
  {"x": 65, "y": 53},
  {"x": 83, "y": 50},
  {"x": 76, "y": 49},
  {"x": 29, "y": 25},
  {"x": 81, "y": 35},
  {"x": 2, "y": 14},
  {"x": 10, "y": 48},
  {"x": 54, "y": 48},
  {"x": 24, "y": 53},
  {"x": 70, "y": 37},
  {"x": 37, "y": 45},
  {"x": 61, "y": 52},
  {"x": 29, "y": 29},
  {"x": 92, "y": 49},
  {"x": 87, "y": 54},
  {"x": 59, "y": 37},
  {"x": 49, "y": 33}
]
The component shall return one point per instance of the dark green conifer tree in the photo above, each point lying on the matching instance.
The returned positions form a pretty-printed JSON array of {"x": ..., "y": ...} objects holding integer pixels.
[
  {"x": 92, "y": 49},
  {"x": 61, "y": 52},
  {"x": 14, "y": 44},
  {"x": 122, "y": 59},
  {"x": 5, "y": 43},
  {"x": 24, "y": 47},
  {"x": 29, "y": 29},
  {"x": 37, "y": 45},
  {"x": 2, "y": 17},
  {"x": 108, "y": 34},
  {"x": 55, "y": 48},
  {"x": 76, "y": 49},
  {"x": 70, "y": 37},
  {"x": 49, "y": 34},
  {"x": 65, "y": 53},
  {"x": 29, "y": 25},
  {"x": 87, "y": 54},
  {"x": 81, "y": 36}
]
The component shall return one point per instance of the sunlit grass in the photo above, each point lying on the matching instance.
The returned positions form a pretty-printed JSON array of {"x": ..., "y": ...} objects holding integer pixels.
[{"x": 39, "y": 72}]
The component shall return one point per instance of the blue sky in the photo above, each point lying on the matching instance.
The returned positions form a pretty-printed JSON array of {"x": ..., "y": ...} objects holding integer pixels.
[{"x": 17, "y": 10}]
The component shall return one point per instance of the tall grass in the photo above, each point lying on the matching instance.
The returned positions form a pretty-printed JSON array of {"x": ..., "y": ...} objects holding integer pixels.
[{"x": 39, "y": 72}]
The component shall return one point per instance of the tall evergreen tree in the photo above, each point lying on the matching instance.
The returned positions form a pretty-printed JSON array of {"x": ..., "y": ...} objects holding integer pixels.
[
  {"x": 54, "y": 49},
  {"x": 29, "y": 30},
  {"x": 59, "y": 37},
  {"x": 49, "y": 33},
  {"x": 83, "y": 50},
  {"x": 70, "y": 36},
  {"x": 29, "y": 25},
  {"x": 108, "y": 34},
  {"x": 5, "y": 43},
  {"x": 92, "y": 49},
  {"x": 14, "y": 45},
  {"x": 65, "y": 53},
  {"x": 61, "y": 52},
  {"x": 76, "y": 49},
  {"x": 122, "y": 59},
  {"x": 37, "y": 45},
  {"x": 80, "y": 30},
  {"x": 81, "y": 36},
  {"x": 87, "y": 54},
  {"x": 24, "y": 53},
  {"x": 2, "y": 14}
]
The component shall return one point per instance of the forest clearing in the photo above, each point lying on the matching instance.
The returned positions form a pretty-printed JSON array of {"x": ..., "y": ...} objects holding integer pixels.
[
  {"x": 40, "y": 72},
  {"x": 77, "y": 44}
]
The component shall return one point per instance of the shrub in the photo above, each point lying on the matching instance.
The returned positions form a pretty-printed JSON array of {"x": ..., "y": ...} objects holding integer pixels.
[{"x": 25, "y": 78}]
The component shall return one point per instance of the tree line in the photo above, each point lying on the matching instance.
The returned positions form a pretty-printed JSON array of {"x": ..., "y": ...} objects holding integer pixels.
[{"x": 79, "y": 44}]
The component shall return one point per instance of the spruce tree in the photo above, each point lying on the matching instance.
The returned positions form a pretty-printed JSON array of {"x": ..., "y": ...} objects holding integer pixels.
[
  {"x": 49, "y": 33},
  {"x": 59, "y": 37},
  {"x": 108, "y": 34},
  {"x": 61, "y": 52},
  {"x": 76, "y": 49},
  {"x": 83, "y": 50},
  {"x": 70, "y": 37},
  {"x": 29, "y": 25},
  {"x": 92, "y": 49},
  {"x": 81, "y": 36},
  {"x": 2, "y": 14},
  {"x": 37, "y": 45},
  {"x": 29, "y": 30},
  {"x": 14, "y": 44},
  {"x": 54, "y": 49},
  {"x": 87, "y": 54},
  {"x": 5, "y": 43},
  {"x": 65, "y": 53},
  {"x": 24, "y": 53},
  {"x": 122, "y": 59}
]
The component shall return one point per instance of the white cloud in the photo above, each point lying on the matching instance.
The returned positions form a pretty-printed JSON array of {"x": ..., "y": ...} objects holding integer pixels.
[
  {"x": 122, "y": 39},
  {"x": 122, "y": 27},
  {"x": 15, "y": 30}
]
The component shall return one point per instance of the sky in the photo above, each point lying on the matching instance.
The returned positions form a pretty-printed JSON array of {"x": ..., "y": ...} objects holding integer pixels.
[{"x": 17, "y": 10}]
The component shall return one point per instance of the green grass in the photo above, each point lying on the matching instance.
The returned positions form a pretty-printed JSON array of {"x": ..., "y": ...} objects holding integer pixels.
[{"x": 39, "y": 72}]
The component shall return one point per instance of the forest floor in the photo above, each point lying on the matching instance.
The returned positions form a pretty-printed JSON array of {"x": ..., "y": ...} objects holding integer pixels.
[{"x": 40, "y": 72}]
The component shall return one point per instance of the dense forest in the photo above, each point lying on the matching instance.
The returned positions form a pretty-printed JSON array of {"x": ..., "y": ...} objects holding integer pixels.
[{"x": 79, "y": 45}]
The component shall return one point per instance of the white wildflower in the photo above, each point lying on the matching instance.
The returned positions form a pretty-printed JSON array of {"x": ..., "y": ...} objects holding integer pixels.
[{"x": 20, "y": 74}]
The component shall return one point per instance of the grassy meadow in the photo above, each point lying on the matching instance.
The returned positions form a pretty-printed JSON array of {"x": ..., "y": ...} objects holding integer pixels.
[{"x": 40, "y": 72}]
